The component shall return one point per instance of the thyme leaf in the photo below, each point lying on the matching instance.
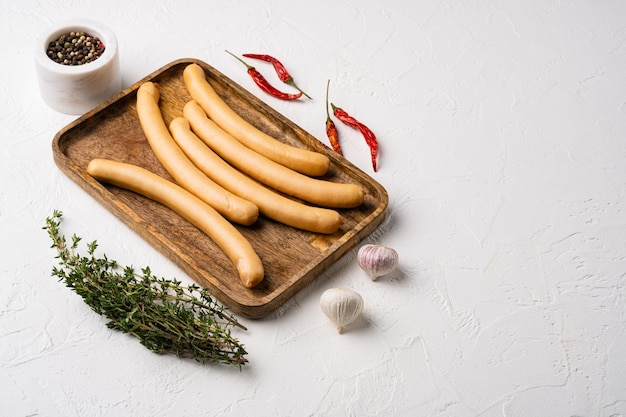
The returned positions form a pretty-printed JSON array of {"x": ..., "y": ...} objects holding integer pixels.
[{"x": 165, "y": 315}]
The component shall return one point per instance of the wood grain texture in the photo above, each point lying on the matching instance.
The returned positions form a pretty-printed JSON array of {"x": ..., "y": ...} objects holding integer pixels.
[{"x": 292, "y": 258}]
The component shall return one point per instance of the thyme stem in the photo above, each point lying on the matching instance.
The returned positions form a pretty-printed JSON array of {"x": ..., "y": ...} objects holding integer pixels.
[{"x": 165, "y": 315}]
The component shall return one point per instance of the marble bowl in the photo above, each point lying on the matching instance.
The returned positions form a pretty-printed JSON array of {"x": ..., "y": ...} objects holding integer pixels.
[{"x": 76, "y": 89}]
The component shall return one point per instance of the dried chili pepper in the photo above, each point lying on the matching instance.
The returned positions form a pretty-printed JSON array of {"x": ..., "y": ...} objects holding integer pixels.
[
  {"x": 260, "y": 80},
  {"x": 280, "y": 69},
  {"x": 331, "y": 129},
  {"x": 369, "y": 136}
]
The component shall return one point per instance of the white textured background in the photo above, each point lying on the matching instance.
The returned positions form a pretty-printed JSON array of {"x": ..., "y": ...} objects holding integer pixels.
[{"x": 503, "y": 148}]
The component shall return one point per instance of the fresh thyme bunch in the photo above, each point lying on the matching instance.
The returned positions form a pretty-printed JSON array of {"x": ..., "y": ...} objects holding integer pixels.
[{"x": 164, "y": 315}]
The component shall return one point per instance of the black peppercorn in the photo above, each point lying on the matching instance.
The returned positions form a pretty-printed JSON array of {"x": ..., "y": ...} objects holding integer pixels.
[{"x": 75, "y": 48}]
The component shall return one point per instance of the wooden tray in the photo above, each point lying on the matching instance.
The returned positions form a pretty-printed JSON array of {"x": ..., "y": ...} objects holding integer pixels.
[{"x": 292, "y": 258}]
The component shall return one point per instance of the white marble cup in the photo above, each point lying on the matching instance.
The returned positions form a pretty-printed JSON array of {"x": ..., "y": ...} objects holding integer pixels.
[{"x": 76, "y": 89}]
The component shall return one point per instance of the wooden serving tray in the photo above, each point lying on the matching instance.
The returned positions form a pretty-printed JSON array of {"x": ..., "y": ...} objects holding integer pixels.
[{"x": 292, "y": 258}]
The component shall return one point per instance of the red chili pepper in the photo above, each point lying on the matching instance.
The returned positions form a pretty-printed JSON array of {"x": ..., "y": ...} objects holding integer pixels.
[
  {"x": 280, "y": 69},
  {"x": 331, "y": 129},
  {"x": 260, "y": 80},
  {"x": 369, "y": 136}
]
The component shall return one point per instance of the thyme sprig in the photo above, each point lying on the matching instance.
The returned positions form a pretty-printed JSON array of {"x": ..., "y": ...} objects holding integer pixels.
[{"x": 165, "y": 315}]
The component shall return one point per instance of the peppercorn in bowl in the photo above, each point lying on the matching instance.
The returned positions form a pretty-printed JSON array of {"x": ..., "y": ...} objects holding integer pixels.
[{"x": 77, "y": 65}]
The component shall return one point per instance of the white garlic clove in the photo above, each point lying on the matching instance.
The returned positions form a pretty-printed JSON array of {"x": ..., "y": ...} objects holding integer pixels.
[
  {"x": 377, "y": 260},
  {"x": 342, "y": 306}
]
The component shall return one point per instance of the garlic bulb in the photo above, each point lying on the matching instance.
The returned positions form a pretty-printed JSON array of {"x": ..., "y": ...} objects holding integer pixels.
[
  {"x": 377, "y": 260},
  {"x": 342, "y": 306}
]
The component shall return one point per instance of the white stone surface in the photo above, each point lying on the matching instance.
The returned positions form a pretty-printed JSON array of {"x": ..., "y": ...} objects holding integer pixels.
[{"x": 503, "y": 148}]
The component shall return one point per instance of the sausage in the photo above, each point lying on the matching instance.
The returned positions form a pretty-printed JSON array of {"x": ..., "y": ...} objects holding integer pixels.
[
  {"x": 197, "y": 212},
  {"x": 317, "y": 191},
  {"x": 269, "y": 202},
  {"x": 301, "y": 160},
  {"x": 186, "y": 174}
]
